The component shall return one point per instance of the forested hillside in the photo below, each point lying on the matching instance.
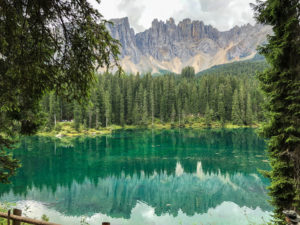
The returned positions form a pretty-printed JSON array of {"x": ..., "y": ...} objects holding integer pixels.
[
  {"x": 248, "y": 67},
  {"x": 141, "y": 100}
]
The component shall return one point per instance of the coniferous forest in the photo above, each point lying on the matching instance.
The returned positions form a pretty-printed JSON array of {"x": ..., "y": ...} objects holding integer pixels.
[{"x": 124, "y": 99}]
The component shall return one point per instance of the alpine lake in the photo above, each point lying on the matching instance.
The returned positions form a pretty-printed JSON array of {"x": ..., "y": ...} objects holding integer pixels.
[{"x": 144, "y": 177}]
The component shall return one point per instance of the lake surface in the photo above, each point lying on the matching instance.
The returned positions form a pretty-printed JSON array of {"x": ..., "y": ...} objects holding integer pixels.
[{"x": 144, "y": 177}]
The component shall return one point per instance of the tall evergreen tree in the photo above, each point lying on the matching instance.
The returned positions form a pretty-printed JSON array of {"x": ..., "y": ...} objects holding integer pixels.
[
  {"x": 107, "y": 103},
  {"x": 77, "y": 116},
  {"x": 122, "y": 111},
  {"x": 242, "y": 103},
  {"x": 53, "y": 109},
  {"x": 173, "y": 115},
  {"x": 145, "y": 110},
  {"x": 221, "y": 105},
  {"x": 152, "y": 104},
  {"x": 236, "y": 110},
  {"x": 281, "y": 84},
  {"x": 129, "y": 102},
  {"x": 188, "y": 72},
  {"x": 208, "y": 116},
  {"x": 249, "y": 111}
]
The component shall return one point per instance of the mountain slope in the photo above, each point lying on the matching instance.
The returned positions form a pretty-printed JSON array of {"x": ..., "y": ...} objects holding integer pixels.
[
  {"x": 167, "y": 46},
  {"x": 247, "y": 67}
]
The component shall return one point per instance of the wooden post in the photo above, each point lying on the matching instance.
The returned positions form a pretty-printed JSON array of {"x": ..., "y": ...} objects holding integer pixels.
[
  {"x": 17, "y": 212},
  {"x": 8, "y": 217},
  {"x": 105, "y": 223}
]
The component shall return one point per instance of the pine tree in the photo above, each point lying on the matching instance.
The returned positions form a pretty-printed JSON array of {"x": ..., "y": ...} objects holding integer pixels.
[
  {"x": 90, "y": 111},
  {"x": 221, "y": 106},
  {"x": 173, "y": 115},
  {"x": 77, "y": 116},
  {"x": 152, "y": 105},
  {"x": 135, "y": 114},
  {"x": 242, "y": 103},
  {"x": 188, "y": 72},
  {"x": 227, "y": 99},
  {"x": 208, "y": 115},
  {"x": 144, "y": 120},
  {"x": 97, "y": 122},
  {"x": 236, "y": 110},
  {"x": 281, "y": 84},
  {"x": 107, "y": 103},
  {"x": 122, "y": 109},
  {"x": 129, "y": 102},
  {"x": 53, "y": 110},
  {"x": 179, "y": 111},
  {"x": 249, "y": 111}
]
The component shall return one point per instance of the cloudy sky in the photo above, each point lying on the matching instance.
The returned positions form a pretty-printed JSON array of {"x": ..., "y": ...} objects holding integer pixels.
[{"x": 222, "y": 14}]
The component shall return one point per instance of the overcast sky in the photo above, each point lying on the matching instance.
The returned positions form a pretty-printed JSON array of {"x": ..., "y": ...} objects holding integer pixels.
[{"x": 222, "y": 14}]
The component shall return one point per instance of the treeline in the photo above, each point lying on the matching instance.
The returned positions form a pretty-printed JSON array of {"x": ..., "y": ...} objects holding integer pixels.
[{"x": 142, "y": 100}]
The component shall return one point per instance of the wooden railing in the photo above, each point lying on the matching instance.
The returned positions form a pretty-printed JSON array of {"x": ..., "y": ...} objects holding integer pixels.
[{"x": 16, "y": 218}]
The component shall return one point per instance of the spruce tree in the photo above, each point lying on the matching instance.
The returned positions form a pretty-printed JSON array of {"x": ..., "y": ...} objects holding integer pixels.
[
  {"x": 242, "y": 103},
  {"x": 188, "y": 72},
  {"x": 122, "y": 119},
  {"x": 144, "y": 112},
  {"x": 249, "y": 111},
  {"x": 77, "y": 116},
  {"x": 173, "y": 115},
  {"x": 208, "y": 115},
  {"x": 129, "y": 102},
  {"x": 281, "y": 84},
  {"x": 107, "y": 103},
  {"x": 152, "y": 104},
  {"x": 236, "y": 110},
  {"x": 221, "y": 106},
  {"x": 53, "y": 110}
]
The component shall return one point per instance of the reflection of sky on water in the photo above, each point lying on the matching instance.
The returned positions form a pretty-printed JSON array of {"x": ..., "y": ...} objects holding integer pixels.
[
  {"x": 142, "y": 214},
  {"x": 169, "y": 175}
]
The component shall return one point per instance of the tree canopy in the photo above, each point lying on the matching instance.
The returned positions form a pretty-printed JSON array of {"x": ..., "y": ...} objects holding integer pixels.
[
  {"x": 188, "y": 72},
  {"x": 46, "y": 46},
  {"x": 281, "y": 84}
]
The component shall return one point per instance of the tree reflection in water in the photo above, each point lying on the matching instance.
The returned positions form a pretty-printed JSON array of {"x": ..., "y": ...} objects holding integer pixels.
[{"x": 173, "y": 171}]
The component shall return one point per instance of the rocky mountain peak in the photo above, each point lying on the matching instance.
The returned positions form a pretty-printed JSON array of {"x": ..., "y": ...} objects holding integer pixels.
[{"x": 167, "y": 46}]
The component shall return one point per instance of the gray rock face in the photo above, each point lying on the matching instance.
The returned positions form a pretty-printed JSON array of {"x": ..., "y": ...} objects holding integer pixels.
[
  {"x": 189, "y": 42},
  {"x": 121, "y": 31}
]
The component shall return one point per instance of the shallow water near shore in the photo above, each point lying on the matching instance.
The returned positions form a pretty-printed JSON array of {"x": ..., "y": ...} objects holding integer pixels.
[{"x": 178, "y": 176}]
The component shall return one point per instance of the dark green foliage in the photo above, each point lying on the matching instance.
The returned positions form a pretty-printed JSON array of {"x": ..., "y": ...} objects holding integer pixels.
[
  {"x": 248, "y": 67},
  {"x": 236, "y": 109},
  {"x": 281, "y": 84},
  {"x": 208, "y": 116},
  {"x": 139, "y": 100},
  {"x": 188, "y": 72},
  {"x": 46, "y": 46}
]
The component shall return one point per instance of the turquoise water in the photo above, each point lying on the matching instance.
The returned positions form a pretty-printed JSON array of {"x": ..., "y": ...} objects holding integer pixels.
[{"x": 146, "y": 177}]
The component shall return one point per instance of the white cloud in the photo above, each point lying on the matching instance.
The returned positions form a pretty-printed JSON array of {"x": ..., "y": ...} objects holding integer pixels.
[
  {"x": 134, "y": 11},
  {"x": 222, "y": 14}
]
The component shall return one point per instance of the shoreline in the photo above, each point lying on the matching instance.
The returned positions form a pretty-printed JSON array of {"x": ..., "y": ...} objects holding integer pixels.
[{"x": 66, "y": 129}]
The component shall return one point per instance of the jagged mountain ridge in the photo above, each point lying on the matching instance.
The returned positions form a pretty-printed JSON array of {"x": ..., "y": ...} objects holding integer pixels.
[{"x": 167, "y": 46}]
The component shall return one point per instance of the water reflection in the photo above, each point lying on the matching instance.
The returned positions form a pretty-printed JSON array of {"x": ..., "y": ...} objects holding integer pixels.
[
  {"x": 172, "y": 171},
  {"x": 142, "y": 214}
]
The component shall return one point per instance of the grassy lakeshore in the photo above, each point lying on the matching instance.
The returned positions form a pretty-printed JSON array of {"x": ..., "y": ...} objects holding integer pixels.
[{"x": 67, "y": 129}]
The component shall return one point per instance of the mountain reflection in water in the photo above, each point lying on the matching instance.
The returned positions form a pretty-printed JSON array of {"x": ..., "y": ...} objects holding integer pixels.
[{"x": 171, "y": 171}]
